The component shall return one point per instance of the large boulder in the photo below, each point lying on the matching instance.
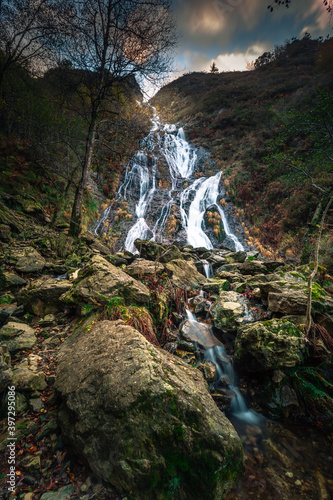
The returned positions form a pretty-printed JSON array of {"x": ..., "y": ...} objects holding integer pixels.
[
  {"x": 230, "y": 311},
  {"x": 42, "y": 297},
  {"x": 27, "y": 260},
  {"x": 184, "y": 274},
  {"x": 143, "y": 419},
  {"x": 142, "y": 267},
  {"x": 269, "y": 345},
  {"x": 17, "y": 337},
  {"x": 100, "y": 281},
  {"x": 149, "y": 250}
]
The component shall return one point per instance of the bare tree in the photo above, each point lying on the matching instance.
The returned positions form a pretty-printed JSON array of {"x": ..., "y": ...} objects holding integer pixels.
[
  {"x": 328, "y": 4},
  {"x": 28, "y": 31},
  {"x": 111, "y": 42}
]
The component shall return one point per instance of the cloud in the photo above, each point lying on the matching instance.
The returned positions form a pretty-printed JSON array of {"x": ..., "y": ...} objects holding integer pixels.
[{"x": 234, "y": 61}]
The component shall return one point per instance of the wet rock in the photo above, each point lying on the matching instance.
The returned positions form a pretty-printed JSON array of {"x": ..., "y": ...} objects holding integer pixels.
[
  {"x": 17, "y": 337},
  {"x": 144, "y": 397},
  {"x": 142, "y": 267},
  {"x": 209, "y": 371},
  {"x": 269, "y": 345},
  {"x": 27, "y": 260},
  {"x": 230, "y": 311},
  {"x": 10, "y": 281},
  {"x": 100, "y": 280},
  {"x": 184, "y": 274},
  {"x": 192, "y": 331},
  {"x": 42, "y": 297},
  {"x": 6, "y": 374}
]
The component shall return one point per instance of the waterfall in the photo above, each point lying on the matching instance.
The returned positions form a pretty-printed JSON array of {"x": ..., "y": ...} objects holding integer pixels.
[{"x": 153, "y": 206}]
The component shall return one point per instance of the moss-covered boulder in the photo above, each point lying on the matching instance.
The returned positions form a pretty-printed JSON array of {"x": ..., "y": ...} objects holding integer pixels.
[
  {"x": 149, "y": 250},
  {"x": 269, "y": 345},
  {"x": 214, "y": 285},
  {"x": 42, "y": 296},
  {"x": 230, "y": 311},
  {"x": 17, "y": 336},
  {"x": 27, "y": 260},
  {"x": 184, "y": 274},
  {"x": 99, "y": 281},
  {"x": 10, "y": 281},
  {"x": 143, "y": 419}
]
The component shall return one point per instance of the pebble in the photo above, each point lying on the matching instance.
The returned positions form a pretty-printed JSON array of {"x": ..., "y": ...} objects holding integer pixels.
[
  {"x": 298, "y": 483},
  {"x": 289, "y": 474}
]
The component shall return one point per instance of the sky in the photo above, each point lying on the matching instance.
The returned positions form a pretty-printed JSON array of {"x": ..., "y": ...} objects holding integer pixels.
[{"x": 235, "y": 32}]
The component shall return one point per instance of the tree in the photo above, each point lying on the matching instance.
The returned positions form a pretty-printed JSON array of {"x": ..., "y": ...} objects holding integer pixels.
[
  {"x": 28, "y": 30},
  {"x": 214, "y": 68},
  {"x": 111, "y": 42},
  {"x": 327, "y": 3}
]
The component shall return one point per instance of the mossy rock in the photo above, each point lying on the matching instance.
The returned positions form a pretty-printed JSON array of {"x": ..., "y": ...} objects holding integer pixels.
[
  {"x": 143, "y": 419},
  {"x": 269, "y": 345}
]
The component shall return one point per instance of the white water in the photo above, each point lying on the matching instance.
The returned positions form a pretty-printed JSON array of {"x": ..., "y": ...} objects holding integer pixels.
[{"x": 140, "y": 183}]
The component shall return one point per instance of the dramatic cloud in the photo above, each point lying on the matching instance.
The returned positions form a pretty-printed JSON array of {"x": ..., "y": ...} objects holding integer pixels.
[{"x": 227, "y": 31}]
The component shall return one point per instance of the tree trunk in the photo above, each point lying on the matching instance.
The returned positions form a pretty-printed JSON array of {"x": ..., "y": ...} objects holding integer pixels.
[
  {"x": 76, "y": 217},
  {"x": 308, "y": 322}
]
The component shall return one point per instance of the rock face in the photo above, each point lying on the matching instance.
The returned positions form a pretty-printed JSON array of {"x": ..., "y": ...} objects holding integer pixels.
[
  {"x": 269, "y": 345},
  {"x": 143, "y": 419},
  {"x": 99, "y": 278},
  {"x": 17, "y": 336},
  {"x": 27, "y": 260},
  {"x": 43, "y": 296},
  {"x": 230, "y": 311}
]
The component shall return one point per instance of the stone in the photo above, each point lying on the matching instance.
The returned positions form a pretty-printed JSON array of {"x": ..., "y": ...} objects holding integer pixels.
[
  {"x": 42, "y": 297},
  {"x": 10, "y": 281},
  {"x": 26, "y": 379},
  {"x": 214, "y": 285},
  {"x": 240, "y": 256},
  {"x": 63, "y": 493},
  {"x": 31, "y": 463},
  {"x": 99, "y": 281},
  {"x": 6, "y": 374},
  {"x": 47, "y": 429},
  {"x": 27, "y": 260},
  {"x": 5, "y": 233},
  {"x": 230, "y": 311},
  {"x": 149, "y": 249},
  {"x": 142, "y": 267},
  {"x": 269, "y": 345},
  {"x": 184, "y": 274},
  {"x": 17, "y": 337},
  {"x": 48, "y": 320},
  {"x": 142, "y": 419},
  {"x": 192, "y": 331},
  {"x": 171, "y": 253},
  {"x": 209, "y": 371}
]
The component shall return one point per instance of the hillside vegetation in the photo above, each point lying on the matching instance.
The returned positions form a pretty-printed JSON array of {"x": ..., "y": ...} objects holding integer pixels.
[{"x": 270, "y": 131}]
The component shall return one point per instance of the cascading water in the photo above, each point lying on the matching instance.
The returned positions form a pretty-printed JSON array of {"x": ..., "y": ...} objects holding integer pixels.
[
  {"x": 154, "y": 206},
  {"x": 225, "y": 375}
]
